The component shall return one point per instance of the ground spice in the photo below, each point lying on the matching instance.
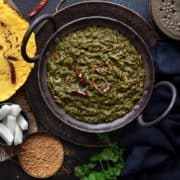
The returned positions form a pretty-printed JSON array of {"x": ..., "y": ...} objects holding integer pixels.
[{"x": 41, "y": 155}]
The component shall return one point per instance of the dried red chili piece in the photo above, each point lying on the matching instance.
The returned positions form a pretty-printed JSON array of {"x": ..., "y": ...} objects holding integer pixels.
[
  {"x": 3, "y": 24},
  {"x": 69, "y": 80},
  {"x": 94, "y": 85},
  {"x": 38, "y": 8},
  {"x": 11, "y": 66},
  {"x": 107, "y": 87},
  {"x": 12, "y": 58},
  {"x": 79, "y": 93},
  {"x": 80, "y": 76},
  {"x": 13, "y": 73}
]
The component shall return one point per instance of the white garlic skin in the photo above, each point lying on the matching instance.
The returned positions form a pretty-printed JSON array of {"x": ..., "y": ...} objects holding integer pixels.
[
  {"x": 18, "y": 136},
  {"x": 6, "y": 134},
  {"x": 23, "y": 124},
  {"x": 10, "y": 122},
  {"x": 4, "y": 111},
  {"x": 15, "y": 110}
]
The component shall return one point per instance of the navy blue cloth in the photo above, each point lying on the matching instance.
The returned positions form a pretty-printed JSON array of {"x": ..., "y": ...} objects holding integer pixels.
[{"x": 151, "y": 153}]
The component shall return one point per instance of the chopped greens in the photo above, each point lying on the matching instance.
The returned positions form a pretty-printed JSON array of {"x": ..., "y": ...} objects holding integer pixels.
[{"x": 96, "y": 74}]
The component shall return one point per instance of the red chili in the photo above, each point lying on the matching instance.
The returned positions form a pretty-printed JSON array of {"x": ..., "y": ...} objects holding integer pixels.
[
  {"x": 80, "y": 76},
  {"x": 107, "y": 87},
  {"x": 12, "y": 58},
  {"x": 69, "y": 80},
  {"x": 79, "y": 93},
  {"x": 13, "y": 73},
  {"x": 94, "y": 85},
  {"x": 11, "y": 66},
  {"x": 38, "y": 8}
]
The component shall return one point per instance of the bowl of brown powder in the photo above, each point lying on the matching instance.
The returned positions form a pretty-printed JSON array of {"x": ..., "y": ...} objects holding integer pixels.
[{"x": 41, "y": 155}]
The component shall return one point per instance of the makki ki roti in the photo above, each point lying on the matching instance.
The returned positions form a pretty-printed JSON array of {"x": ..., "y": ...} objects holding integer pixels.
[{"x": 14, "y": 71}]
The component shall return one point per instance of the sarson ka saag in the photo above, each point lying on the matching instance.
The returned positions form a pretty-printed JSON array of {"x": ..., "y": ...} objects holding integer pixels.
[{"x": 96, "y": 74}]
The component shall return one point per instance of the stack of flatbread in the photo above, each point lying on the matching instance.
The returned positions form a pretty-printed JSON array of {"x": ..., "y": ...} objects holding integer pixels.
[
  {"x": 14, "y": 71},
  {"x": 12, "y": 30}
]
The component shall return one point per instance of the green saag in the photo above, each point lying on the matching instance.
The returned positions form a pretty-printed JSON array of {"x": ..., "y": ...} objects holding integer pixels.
[{"x": 96, "y": 74}]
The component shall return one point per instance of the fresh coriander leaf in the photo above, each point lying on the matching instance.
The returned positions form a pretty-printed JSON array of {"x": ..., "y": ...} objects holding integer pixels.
[
  {"x": 109, "y": 162},
  {"x": 118, "y": 169},
  {"x": 117, "y": 151},
  {"x": 104, "y": 138},
  {"x": 81, "y": 171},
  {"x": 96, "y": 176},
  {"x": 106, "y": 155}
]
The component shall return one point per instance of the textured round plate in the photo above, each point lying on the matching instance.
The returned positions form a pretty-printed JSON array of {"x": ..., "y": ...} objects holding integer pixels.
[
  {"x": 76, "y": 11},
  {"x": 166, "y": 14}
]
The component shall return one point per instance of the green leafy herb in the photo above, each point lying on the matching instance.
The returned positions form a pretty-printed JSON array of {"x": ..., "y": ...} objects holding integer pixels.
[
  {"x": 105, "y": 165},
  {"x": 104, "y": 138}
]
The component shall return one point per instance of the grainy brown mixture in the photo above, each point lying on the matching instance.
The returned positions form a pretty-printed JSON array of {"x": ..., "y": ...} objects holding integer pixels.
[{"x": 41, "y": 155}]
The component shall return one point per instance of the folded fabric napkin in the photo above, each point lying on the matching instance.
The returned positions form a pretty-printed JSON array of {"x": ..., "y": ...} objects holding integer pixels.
[{"x": 153, "y": 152}]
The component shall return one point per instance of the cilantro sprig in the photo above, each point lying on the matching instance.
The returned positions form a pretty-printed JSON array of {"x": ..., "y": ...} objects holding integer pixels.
[{"x": 105, "y": 165}]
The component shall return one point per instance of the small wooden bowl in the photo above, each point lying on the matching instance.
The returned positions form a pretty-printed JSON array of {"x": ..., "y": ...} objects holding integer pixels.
[{"x": 40, "y": 133}]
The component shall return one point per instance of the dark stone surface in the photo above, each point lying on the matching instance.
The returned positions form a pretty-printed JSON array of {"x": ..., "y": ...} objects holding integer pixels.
[
  {"x": 141, "y": 6},
  {"x": 152, "y": 153},
  {"x": 11, "y": 170}
]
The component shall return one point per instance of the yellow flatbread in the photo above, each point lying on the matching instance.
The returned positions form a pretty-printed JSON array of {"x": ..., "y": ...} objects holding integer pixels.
[{"x": 12, "y": 30}]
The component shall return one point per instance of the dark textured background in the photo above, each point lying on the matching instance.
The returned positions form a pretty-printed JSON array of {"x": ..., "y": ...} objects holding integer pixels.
[{"x": 141, "y": 6}]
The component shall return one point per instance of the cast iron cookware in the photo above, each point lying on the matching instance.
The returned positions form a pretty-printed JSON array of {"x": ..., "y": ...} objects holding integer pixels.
[{"x": 78, "y": 24}]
